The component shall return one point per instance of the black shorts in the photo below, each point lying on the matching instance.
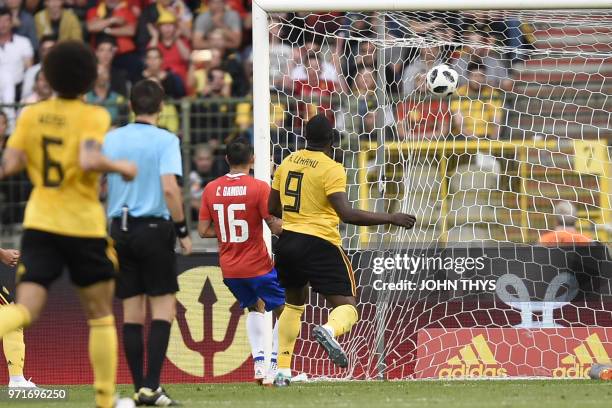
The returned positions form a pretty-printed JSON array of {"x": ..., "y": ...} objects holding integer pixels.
[
  {"x": 301, "y": 259},
  {"x": 6, "y": 282},
  {"x": 146, "y": 257},
  {"x": 44, "y": 256}
]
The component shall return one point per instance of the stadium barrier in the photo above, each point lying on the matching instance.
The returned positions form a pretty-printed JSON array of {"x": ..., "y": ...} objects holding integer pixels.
[
  {"x": 475, "y": 333},
  {"x": 208, "y": 341}
]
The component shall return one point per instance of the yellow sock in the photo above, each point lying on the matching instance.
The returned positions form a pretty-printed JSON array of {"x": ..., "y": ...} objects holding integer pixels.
[
  {"x": 103, "y": 358},
  {"x": 289, "y": 324},
  {"x": 13, "y": 317},
  {"x": 14, "y": 352},
  {"x": 342, "y": 319}
]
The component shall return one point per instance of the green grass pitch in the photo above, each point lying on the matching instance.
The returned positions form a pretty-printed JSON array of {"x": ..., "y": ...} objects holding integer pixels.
[{"x": 418, "y": 394}]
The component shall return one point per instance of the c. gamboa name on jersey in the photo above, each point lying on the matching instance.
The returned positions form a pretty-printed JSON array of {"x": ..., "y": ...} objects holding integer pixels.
[{"x": 232, "y": 191}]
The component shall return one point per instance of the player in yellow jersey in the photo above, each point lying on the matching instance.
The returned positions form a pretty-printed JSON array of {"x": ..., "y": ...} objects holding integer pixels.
[
  {"x": 309, "y": 193},
  {"x": 59, "y": 143},
  {"x": 12, "y": 343}
]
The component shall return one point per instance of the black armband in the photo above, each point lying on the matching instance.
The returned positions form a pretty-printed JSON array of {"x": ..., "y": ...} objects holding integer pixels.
[{"x": 181, "y": 229}]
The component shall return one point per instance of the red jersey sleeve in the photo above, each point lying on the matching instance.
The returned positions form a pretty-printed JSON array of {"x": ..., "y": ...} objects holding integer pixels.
[
  {"x": 264, "y": 193},
  {"x": 205, "y": 214}
]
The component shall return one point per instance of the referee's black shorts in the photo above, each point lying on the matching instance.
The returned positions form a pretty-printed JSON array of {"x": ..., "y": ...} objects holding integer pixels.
[
  {"x": 147, "y": 261},
  {"x": 302, "y": 259}
]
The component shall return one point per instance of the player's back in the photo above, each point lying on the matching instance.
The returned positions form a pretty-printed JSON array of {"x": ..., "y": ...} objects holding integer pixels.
[
  {"x": 237, "y": 204},
  {"x": 65, "y": 199},
  {"x": 153, "y": 150},
  {"x": 305, "y": 179}
]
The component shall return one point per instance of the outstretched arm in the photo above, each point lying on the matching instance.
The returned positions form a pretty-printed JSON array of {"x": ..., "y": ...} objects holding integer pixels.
[
  {"x": 13, "y": 161},
  {"x": 274, "y": 204},
  {"x": 91, "y": 158},
  {"x": 353, "y": 216}
]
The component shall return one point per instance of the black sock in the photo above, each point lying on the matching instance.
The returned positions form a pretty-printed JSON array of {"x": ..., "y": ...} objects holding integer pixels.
[
  {"x": 159, "y": 335},
  {"x": 133, "y": 345}
]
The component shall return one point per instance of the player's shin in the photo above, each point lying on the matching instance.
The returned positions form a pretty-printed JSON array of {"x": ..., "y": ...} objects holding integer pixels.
[
  {"x": 274, "y": 357},
  {"x": 133, "y": 346},
  {"x": 341, "y": 320},
  {"x": 255, "y": 322},
  {"x": 14, "y": 351},
  {"x": 289, "y": 325},
  {"x": 13, "y": 317},
  {"x": 157, "y": 346},
  {"x": 255, "y": 332},
  {"x": 103, "y": 358}
]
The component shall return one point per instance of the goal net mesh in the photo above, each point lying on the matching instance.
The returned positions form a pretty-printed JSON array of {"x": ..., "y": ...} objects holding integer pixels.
[{"x": 519, "y": 150}]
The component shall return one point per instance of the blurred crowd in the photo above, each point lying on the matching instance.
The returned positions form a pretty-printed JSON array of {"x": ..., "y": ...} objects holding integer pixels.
[{"x": 319, "y": 63}]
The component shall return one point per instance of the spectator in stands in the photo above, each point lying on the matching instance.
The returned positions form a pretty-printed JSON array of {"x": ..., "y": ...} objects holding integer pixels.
[
  {"x": 171, "y": 83},
  {"x": 328, "y": 72},
  {"x": 357, "y": 27},
  {"x": 230, "y": 62},
  {"x": 478, "y": 110},
  {"x": 212, "y": 119},
  {"x": 477, "y": 45},
  {"x": 16, "y": 55},
  {"x": 151, "y": 14},
  {"x": 281, "y": 56},
  {"x": 102, "y": 94},
  {"x": 207, "y": 167},
  {"x": 216, "y": 86},
  {"x": 244, "y": 10},
  {"x": 105, "y": 52},
  {"x": 55, "y": 21},
  {"x": 359, "y": 118},
  {"x": 202, "y": 62},
  {"x": 29, "y": 77},
  {"x": 426, "y": 118},
  {"x": 221, "y": 18},
  {"x": 114, "y": 18},
  {"x": 23, "y": 21},
  {"x": 78, "y": 7},
  {"x": 414, "y": 75},
  {"x": 565, "y": 231},
  {"x": 175, "y": 50},
  {"x": 42, "y": 90},
  {"x": 315, "y": 91}
]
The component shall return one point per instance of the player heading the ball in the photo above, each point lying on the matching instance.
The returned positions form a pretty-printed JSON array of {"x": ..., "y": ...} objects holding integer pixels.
[{"x": 309, "y": 193}]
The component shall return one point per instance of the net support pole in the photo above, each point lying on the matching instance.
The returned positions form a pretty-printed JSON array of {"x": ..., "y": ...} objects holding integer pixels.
[
  {"x": 261, "y": 125},
  {"x": 261, "y": 98}
]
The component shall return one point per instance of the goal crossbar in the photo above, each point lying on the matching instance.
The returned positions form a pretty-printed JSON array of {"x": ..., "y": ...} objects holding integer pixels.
[{"x": 271, "y": 6}]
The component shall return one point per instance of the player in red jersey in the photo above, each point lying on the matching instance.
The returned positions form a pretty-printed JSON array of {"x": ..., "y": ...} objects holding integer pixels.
[{"x": 237, "y": 203}]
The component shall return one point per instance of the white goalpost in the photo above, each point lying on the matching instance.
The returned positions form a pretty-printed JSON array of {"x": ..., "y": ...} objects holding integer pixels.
[{"x": 519, "y": 152}]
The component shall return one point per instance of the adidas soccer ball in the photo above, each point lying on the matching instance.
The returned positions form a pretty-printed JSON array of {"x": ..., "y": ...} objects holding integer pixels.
[{"x": 442, "y": 80}]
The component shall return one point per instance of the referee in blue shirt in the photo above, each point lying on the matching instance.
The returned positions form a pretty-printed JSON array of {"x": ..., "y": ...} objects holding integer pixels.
[{"x": 147, "y": 215}]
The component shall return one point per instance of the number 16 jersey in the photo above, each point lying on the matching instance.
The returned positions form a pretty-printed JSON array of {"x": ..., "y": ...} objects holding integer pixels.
[
  {"x": 65, "y": 199},
  {"x": 305, "y": 179},
  {"x": 237, "y": 204}
]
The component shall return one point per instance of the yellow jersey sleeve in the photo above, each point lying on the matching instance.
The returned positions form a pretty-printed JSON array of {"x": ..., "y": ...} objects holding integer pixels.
[
  {"x": 335, "y": 180},
  {"x": 96, "y": 125},
  {"x": 276, "y": 179},
  {"x": 19, "y": 139}
]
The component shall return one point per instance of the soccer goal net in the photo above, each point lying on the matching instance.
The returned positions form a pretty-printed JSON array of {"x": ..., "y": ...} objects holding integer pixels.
[{"x": 506, "y": 177}]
